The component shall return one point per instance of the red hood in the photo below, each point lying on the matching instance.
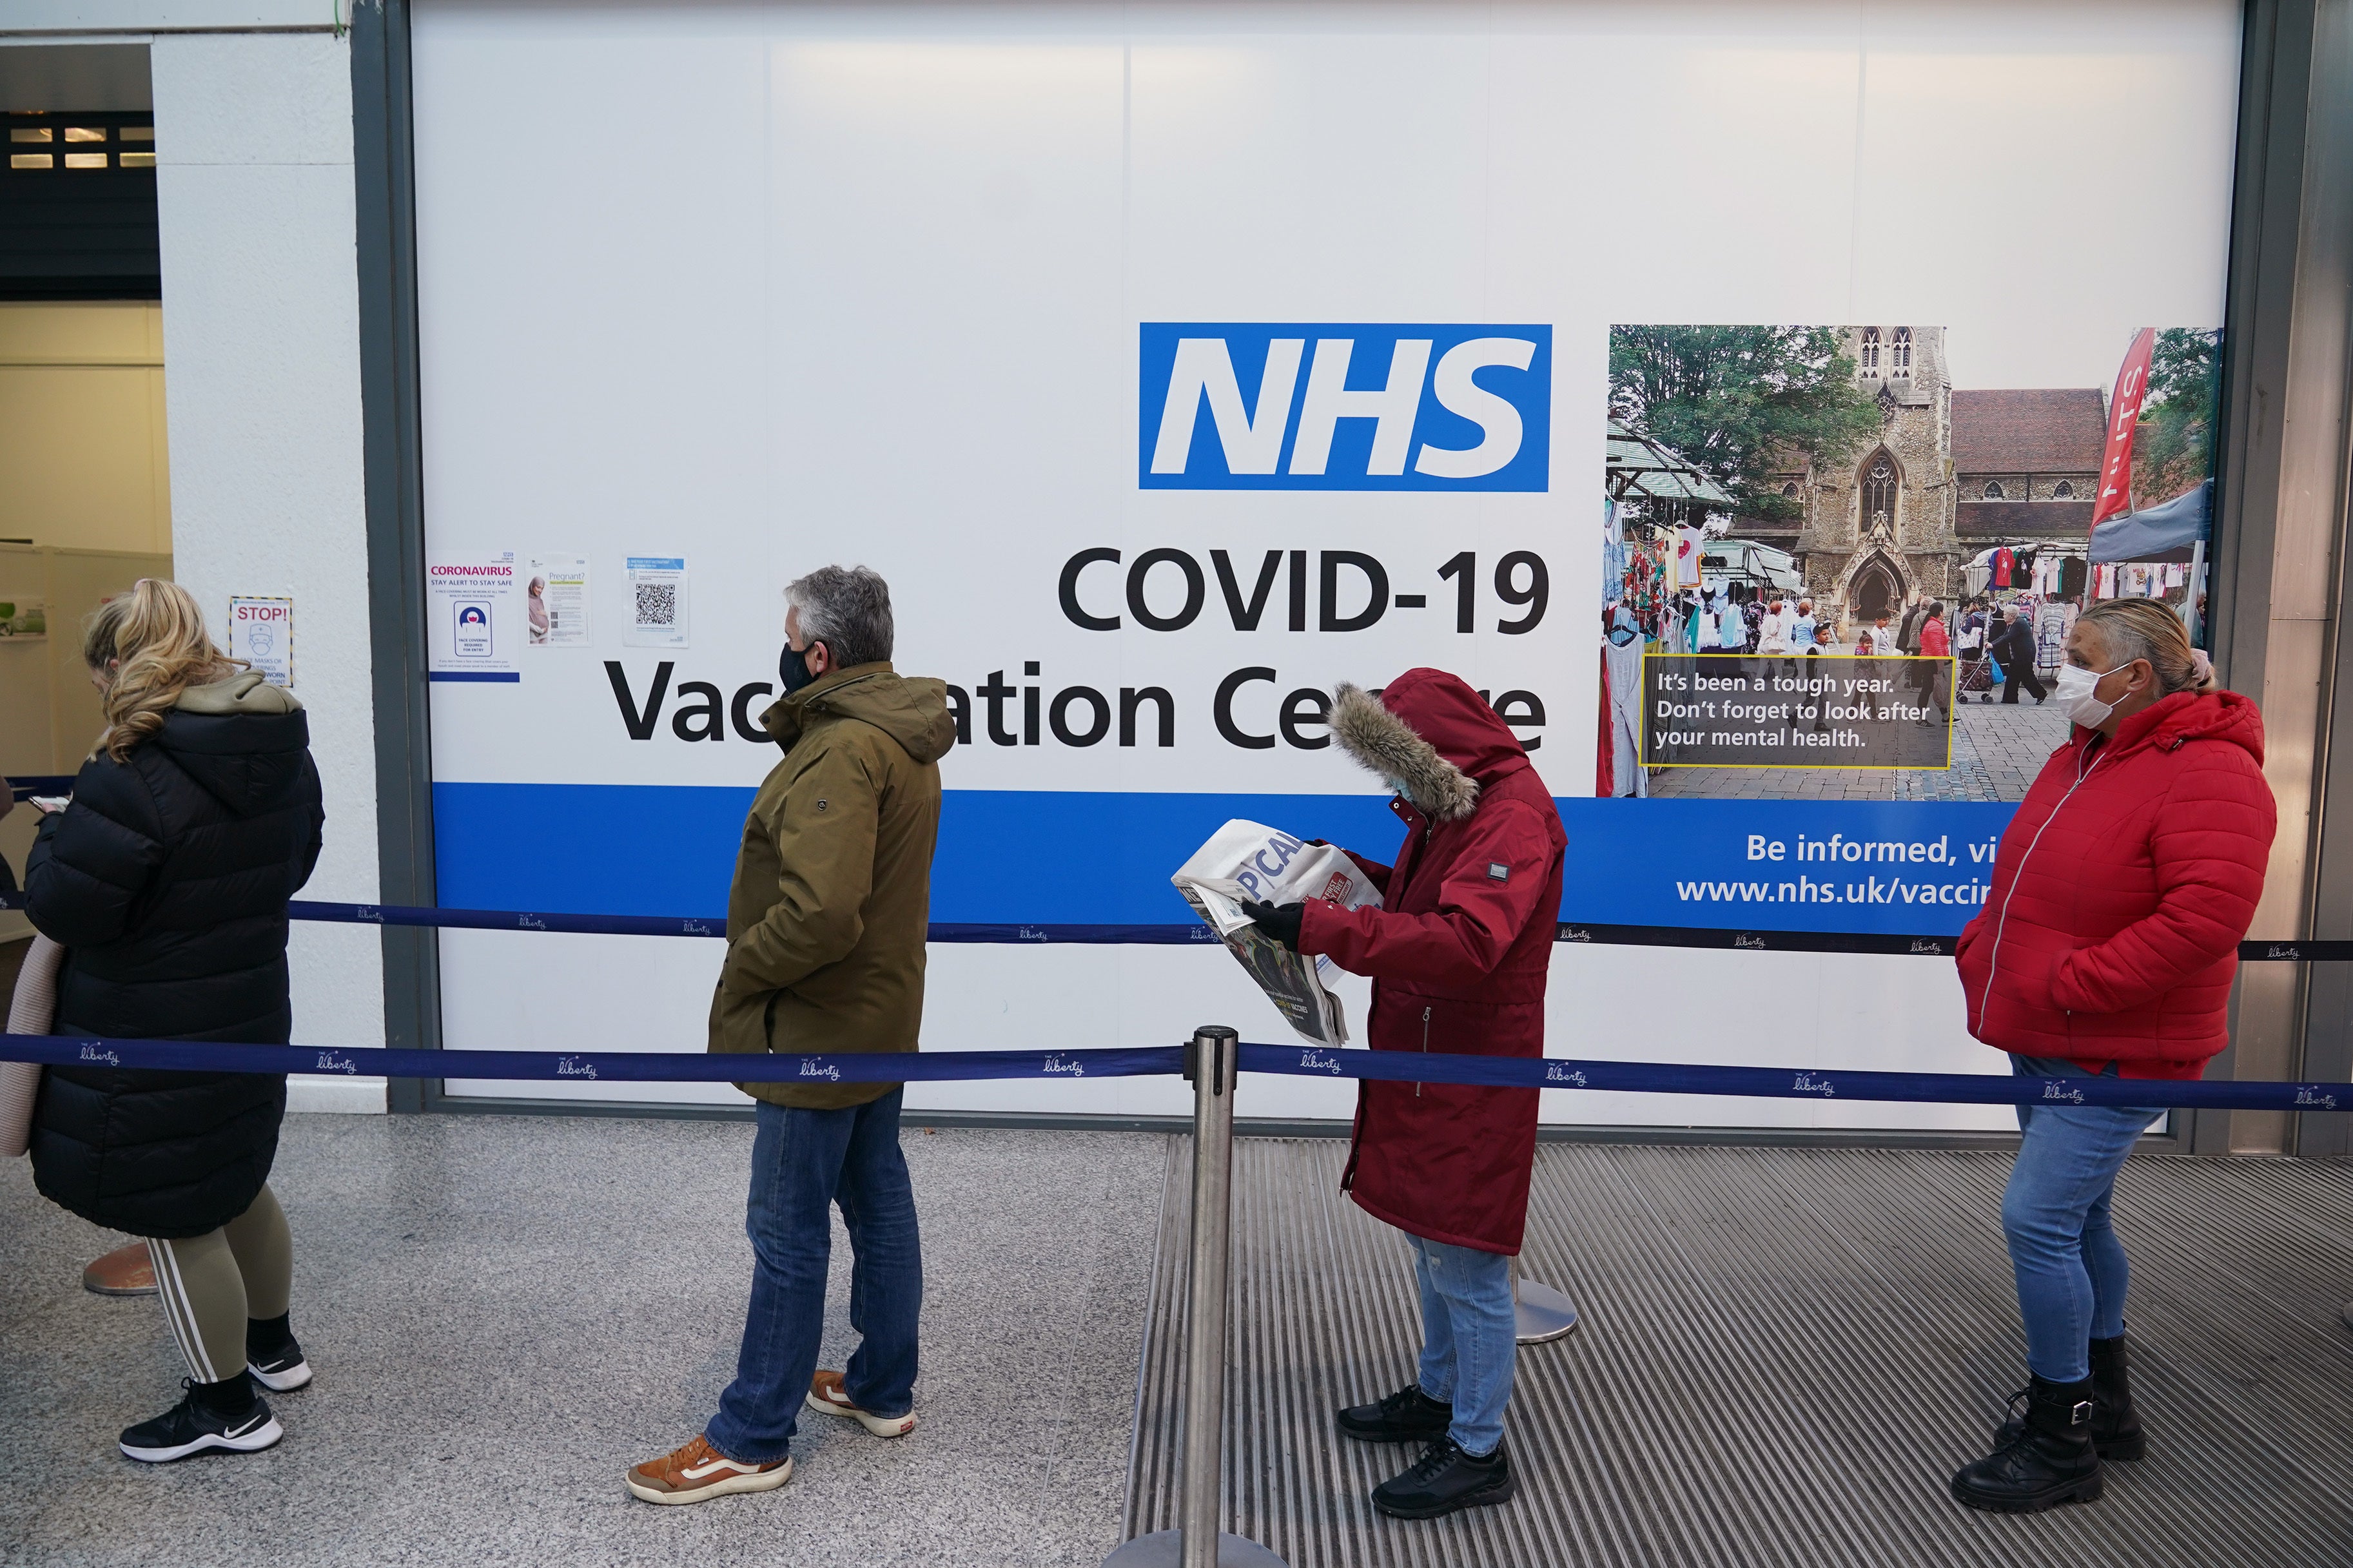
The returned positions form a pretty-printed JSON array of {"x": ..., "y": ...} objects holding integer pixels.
[
  {"x": 2223, "y": 716},
  {"x": 1447, "y": 714}
]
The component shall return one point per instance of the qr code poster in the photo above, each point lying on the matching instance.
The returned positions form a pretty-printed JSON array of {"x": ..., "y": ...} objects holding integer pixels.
[
  {"x": 657, "y": 602},
  {"x": 473, "y": 617}
]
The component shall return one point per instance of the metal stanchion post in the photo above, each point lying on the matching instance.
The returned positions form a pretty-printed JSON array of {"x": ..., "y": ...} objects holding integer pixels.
[
  {"x": 1197, "y": 1542},
  {"x": 1542, "y": 1312}
]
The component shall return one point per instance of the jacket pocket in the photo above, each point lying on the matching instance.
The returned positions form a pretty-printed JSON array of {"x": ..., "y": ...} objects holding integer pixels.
[{"x": 741, "y": 1020}]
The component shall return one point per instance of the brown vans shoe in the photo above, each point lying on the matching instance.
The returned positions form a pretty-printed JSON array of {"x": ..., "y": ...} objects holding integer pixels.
[
  {"x": 699, "y": 1471},
  {"x": 826, "y": 1393}
]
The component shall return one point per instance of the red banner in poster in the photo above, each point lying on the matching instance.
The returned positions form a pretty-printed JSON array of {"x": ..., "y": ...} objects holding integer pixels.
[{"x": 2124, "y": 414}]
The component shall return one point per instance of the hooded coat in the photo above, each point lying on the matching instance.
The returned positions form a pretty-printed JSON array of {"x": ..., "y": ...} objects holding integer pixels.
[
  {"x": 831, "y": 905},
  {"x": 1459, "y": 952},
  {"x": 2121, "y": 891},
  {"x": 166, "y": 881}
]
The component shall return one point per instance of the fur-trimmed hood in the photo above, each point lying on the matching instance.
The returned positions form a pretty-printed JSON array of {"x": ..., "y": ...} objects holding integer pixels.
[{"x": 1430, "y": 736}]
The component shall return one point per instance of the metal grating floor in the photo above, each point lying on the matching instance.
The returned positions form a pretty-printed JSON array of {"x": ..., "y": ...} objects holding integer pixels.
[{"x": 1784, "y": 1354}]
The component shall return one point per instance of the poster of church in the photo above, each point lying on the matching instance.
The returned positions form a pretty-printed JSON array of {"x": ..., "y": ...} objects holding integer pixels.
[{"x": 1840, "y": 567}]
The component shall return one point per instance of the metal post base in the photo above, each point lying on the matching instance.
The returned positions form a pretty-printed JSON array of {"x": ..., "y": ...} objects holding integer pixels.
[
  {"x": 1544, "y": 1313},
  {"x": 1165, "y": 1549}
]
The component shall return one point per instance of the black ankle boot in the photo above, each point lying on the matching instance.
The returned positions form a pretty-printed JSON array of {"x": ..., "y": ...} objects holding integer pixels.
[
  {"x": 2115, "y": 1423},
  {"x": 2049, "y": 1462}
]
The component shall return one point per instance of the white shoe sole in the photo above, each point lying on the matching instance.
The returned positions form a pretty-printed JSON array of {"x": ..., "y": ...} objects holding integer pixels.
[
  {"x": 755, "y": 1481},
  {"x": 265, "y": 1436},
  {"x": 896, "y": 1426},
  {"x": 285, "y": 1382}
]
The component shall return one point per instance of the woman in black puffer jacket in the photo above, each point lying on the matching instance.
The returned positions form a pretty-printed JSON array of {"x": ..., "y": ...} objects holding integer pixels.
[{"x": 166, "y": 879}]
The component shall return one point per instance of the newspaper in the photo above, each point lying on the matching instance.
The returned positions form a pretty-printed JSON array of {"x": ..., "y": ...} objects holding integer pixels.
[{"x": 1250, "y": 862}]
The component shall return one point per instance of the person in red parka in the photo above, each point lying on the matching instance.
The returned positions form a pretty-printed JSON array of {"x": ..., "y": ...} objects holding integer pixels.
[
  {"x": 1934, "y": 677},
  {"x": 1458, "y": 951},
  {"x": 2106, "y": 947}
]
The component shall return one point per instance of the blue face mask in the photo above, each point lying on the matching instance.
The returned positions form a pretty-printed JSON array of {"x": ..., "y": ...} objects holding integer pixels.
[{"x": 793, "y": 670}]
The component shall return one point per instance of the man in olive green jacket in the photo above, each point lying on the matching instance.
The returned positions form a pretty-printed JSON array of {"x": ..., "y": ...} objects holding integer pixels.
[{"x": 826, "y": 926}]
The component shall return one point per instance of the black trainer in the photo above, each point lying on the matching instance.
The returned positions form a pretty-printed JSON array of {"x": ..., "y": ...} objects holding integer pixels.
[
  {"x": 272, "y": 1356},
  {"x": 1445, "y": 1480},
  {"x": 2116, "y": 1430},
  {"x": 207, "y": 1418},
  {"x": 1408, "y": 1415},
  {"x": 2051, "y": 1461}
]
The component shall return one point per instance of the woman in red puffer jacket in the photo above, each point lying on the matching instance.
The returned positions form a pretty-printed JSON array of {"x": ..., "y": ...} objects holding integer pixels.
[{"x": 2106, "y": 947}]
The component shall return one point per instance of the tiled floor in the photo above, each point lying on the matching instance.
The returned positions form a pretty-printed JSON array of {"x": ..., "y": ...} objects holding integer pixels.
[{"x": 506, "y": 1312}]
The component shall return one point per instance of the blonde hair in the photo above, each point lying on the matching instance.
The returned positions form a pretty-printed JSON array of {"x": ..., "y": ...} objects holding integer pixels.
[
  {"x": 150, "y": 646},
  {"x": 2145, "y": 628}
]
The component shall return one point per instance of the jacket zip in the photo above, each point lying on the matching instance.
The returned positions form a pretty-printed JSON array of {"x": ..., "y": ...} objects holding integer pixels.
[
  {"x": 1424, "y": 1045},
  {"x": 1993, "y": 959}
]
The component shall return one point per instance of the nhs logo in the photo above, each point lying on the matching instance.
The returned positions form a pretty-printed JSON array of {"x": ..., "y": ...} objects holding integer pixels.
[{"x": 1307, "y": 405}]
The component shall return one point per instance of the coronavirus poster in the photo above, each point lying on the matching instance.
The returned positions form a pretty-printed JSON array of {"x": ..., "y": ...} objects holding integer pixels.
[{"x": 1175, "y": 367}]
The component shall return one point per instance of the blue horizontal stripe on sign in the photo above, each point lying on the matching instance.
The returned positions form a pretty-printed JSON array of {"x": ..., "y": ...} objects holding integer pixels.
[
  {"x": 1075, "y": 858},
  {"x": 475, "y": 675},
  {"x": 1006, "y": 858},
  {"x": 1396, "y": 1067},
  {"x": 1888, "y": 867}
]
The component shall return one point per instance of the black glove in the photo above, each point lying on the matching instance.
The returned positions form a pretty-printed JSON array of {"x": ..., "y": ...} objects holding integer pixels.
[{"x": 1279, "y": 922}]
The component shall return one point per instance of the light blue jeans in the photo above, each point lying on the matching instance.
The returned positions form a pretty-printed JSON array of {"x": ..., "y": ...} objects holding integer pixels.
[
  {"x": 2071, "y": 1268},
  {"x": 1469, "y": 1337}
]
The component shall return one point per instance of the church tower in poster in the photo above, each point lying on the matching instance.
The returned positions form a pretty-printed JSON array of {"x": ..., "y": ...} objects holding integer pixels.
[{"x": 1879, "y": 526}]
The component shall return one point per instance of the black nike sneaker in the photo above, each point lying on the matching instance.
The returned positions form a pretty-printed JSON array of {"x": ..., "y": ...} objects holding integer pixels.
[
  {"x": 196, "y": 1425},
  {"x": 272, "y": 1356}
]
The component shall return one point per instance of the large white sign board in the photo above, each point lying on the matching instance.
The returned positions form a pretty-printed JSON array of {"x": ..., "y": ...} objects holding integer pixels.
[{"x": 762, "y": 289}]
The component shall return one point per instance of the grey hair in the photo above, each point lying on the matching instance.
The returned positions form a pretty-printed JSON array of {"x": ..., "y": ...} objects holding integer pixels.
[{"x": 847, "y": 609}]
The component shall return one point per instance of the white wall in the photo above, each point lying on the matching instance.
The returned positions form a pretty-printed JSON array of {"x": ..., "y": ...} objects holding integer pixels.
[{"x": 253, "y": 137}]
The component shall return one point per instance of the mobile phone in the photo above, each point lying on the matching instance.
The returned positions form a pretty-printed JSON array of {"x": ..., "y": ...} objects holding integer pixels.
[{"x": 50, "y": 803}]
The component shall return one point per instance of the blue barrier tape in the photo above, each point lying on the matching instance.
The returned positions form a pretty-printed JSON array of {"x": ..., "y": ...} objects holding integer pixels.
[
  {"x": 1193, "y": 933},
  {"x": 1791, "y": 1083},
  {"x": 621, "y": 1066},
  {"x": 1308, "y": 1061},
  {"x": 23, "y": 787}
]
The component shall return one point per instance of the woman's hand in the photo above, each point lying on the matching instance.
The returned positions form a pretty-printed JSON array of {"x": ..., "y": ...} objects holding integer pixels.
[{"x": 1279, "y": 922}]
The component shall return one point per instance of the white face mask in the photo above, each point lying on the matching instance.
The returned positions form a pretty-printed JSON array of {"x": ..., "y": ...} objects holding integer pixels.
[{"x": 2074, "y": 689}]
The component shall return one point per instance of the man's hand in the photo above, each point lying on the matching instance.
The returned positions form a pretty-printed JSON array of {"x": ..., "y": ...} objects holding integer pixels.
[{"x": 1279, "y": 922}]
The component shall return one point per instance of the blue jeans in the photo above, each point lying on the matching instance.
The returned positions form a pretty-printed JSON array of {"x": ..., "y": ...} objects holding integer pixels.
[
  {"x": 2071, "y": 1274},
  {"x": 803, "y": 1162},
  {"x": 1469, "y": 1336}
]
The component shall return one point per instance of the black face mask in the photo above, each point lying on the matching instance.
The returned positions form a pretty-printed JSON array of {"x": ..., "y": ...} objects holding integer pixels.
[{"x": 793, "y": 670}]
